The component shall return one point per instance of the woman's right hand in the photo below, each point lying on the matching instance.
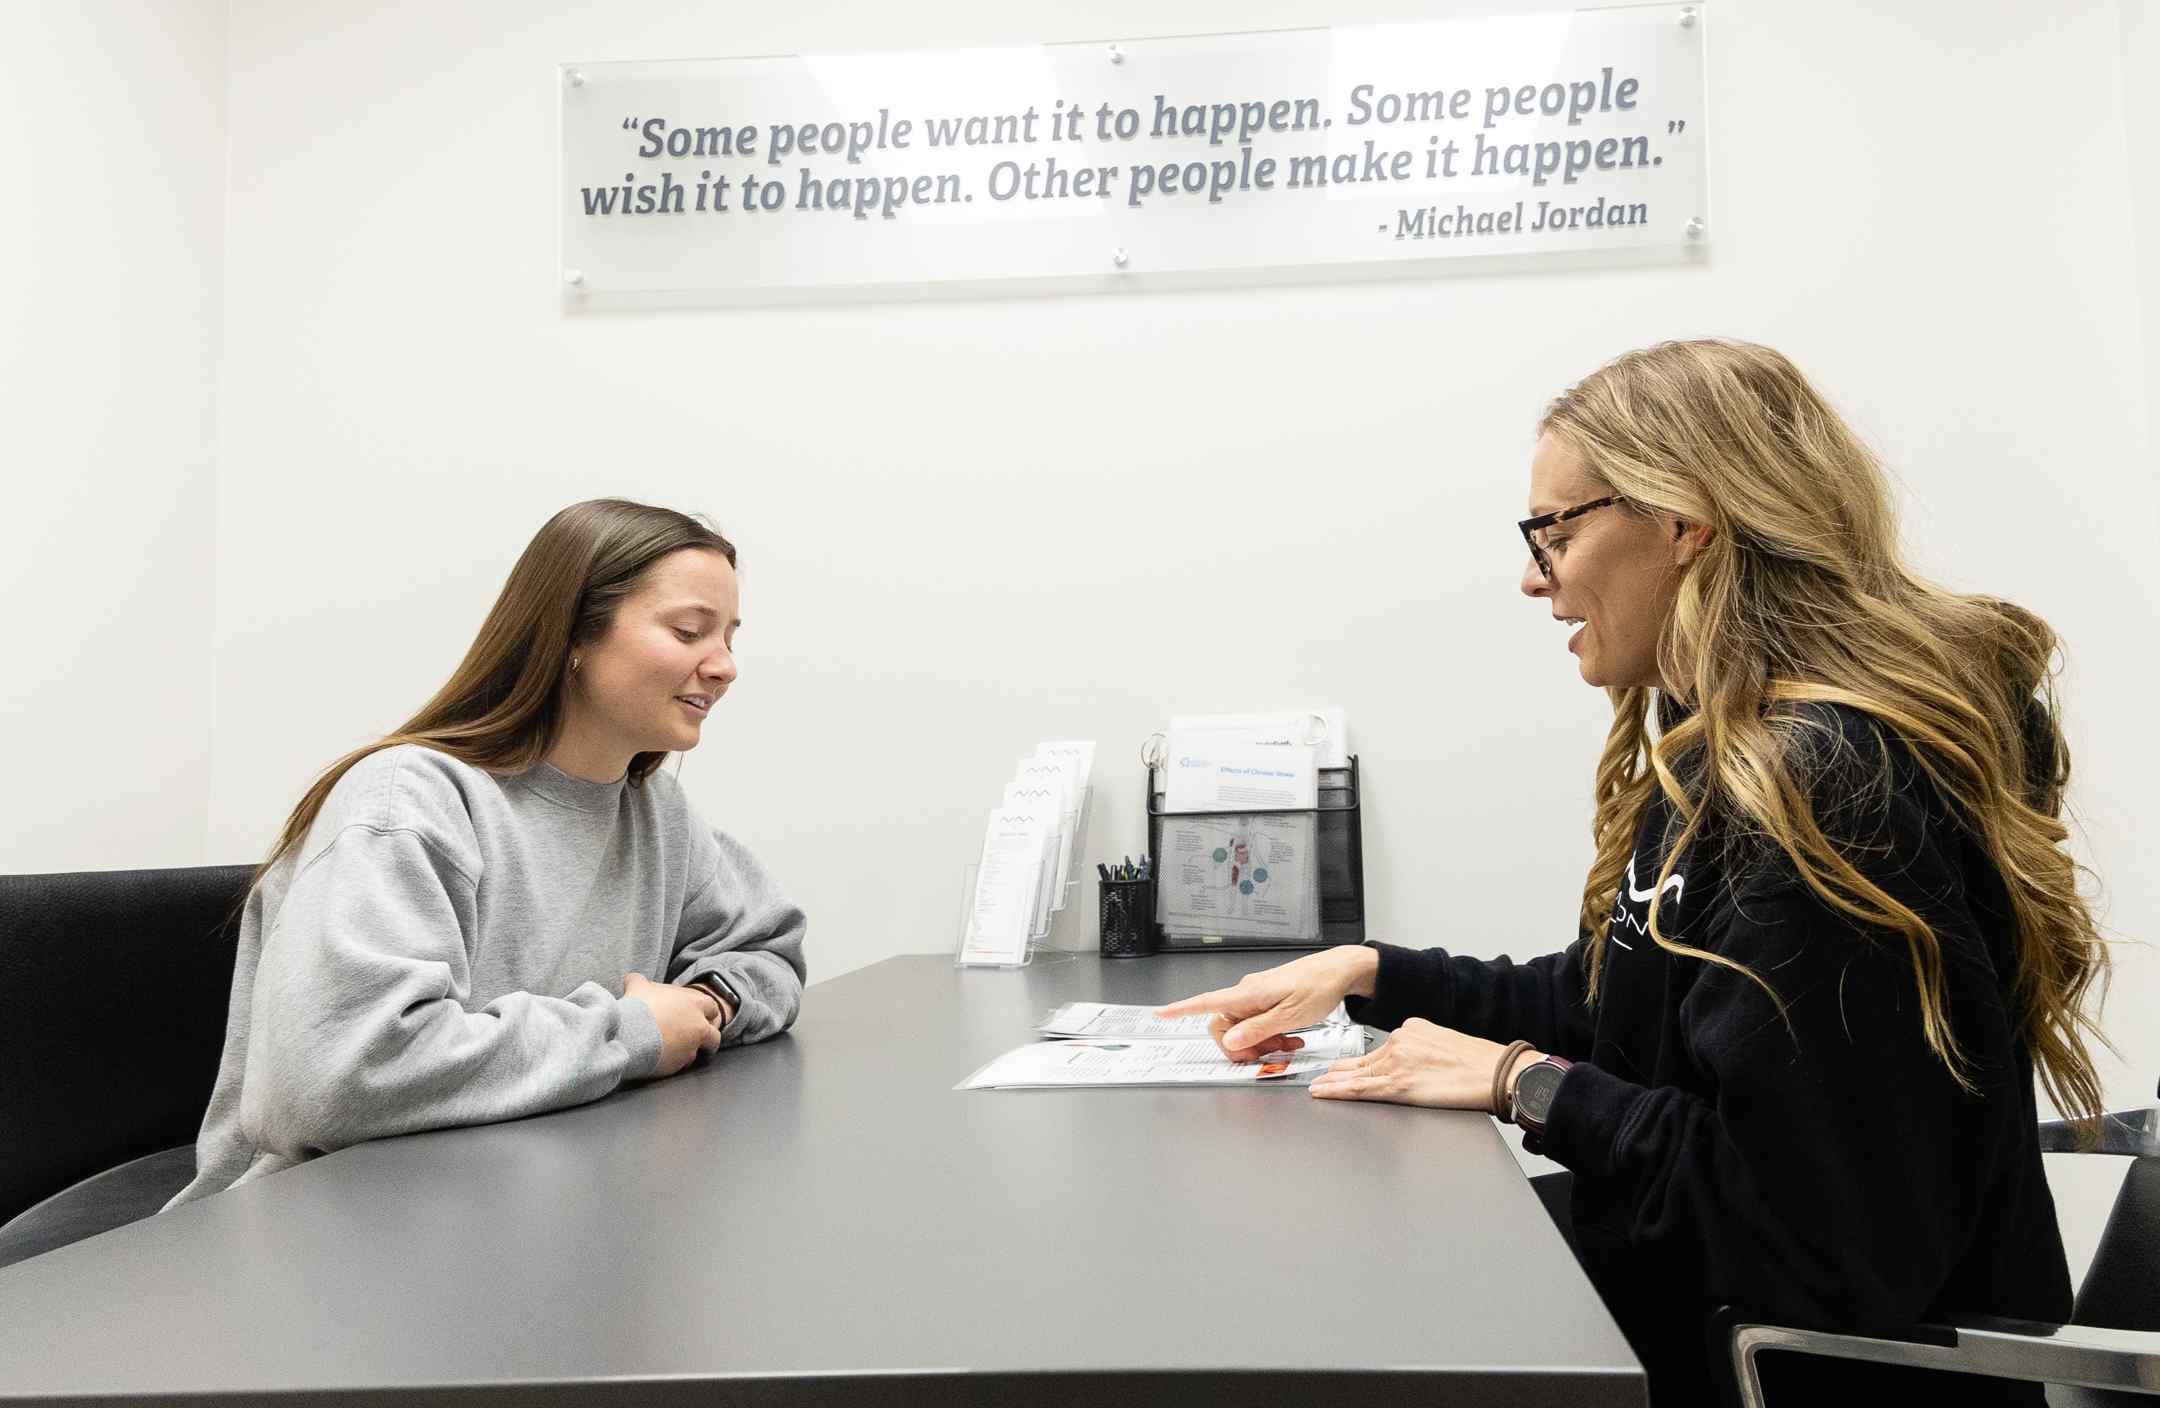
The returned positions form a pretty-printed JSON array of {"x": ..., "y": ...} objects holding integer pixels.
[
  {"x": 1250, "y": 1020},
  {"x": 688, "y": 1019}
]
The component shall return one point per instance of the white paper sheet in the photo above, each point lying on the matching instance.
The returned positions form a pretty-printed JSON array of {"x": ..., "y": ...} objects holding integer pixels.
[
  {"x": 1050, "y": 1064},
  {"x": 1060, "y": 772},
  {"x": 1080, "y": 750},
  {"x": 1008, "y": 881},
  {"x": 1325, "y": 729},
  {"x": 1119, "y": 1020},
  {"x": 1079, "y": 753},
  {"x": 1206, "y": 774},
  {"x": 1047, "y": 802}
]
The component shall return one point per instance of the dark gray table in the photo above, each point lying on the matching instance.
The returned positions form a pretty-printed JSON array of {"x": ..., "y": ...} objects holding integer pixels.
[{"x": 823, "y": 1219}]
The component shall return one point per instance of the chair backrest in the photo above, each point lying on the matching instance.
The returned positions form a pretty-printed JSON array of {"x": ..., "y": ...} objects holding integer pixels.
[
  {"x": 113, "y": 993},
  {"x": 2121, "y": 1289}
]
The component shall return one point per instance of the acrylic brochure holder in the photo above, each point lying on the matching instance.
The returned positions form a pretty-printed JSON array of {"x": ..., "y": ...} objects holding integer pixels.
[
  {"x": 967, "y": 953},
  {"x": 1337, "y": 858}
]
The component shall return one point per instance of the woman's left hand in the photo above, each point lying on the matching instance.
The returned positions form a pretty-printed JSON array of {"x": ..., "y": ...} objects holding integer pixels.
[{"x": 1421, "y": 1064}]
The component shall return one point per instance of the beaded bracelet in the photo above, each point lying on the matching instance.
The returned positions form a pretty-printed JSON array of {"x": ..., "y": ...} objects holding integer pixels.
[{"x": 1501, "y": 1105}]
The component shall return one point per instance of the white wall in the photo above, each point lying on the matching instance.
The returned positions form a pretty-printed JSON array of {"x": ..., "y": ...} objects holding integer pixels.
[
  {"x": 2085, "y": 1187},
  {"x": 112, "y": 138},
  {"x": 2141, "y": 109}
]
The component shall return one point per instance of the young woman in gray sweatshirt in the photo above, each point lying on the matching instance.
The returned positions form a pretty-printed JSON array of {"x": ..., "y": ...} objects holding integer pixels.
[{"x": 504, "y": 907}]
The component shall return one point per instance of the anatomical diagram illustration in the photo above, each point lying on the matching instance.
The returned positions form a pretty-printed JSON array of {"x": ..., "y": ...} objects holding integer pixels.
[{"x": 1238, "y": 874}]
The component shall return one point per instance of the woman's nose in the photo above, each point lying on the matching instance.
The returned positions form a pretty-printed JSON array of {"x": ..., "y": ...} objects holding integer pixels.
[{"x": 1533, "y": 580}]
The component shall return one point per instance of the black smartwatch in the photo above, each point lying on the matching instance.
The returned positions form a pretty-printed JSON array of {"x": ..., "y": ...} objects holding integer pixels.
[
  {"x": 1534, "y": 1092},
  {"x": 722, "y": 992}
]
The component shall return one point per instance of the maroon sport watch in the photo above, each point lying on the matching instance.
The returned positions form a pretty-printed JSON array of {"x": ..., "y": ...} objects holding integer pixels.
[{"x": 1530, "y": 1103}]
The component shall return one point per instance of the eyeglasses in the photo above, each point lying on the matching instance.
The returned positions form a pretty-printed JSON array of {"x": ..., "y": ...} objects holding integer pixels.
[{"x": 1532, "y": 527}]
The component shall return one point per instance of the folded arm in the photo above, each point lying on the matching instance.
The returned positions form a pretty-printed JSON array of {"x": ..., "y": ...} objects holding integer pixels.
[
  {"x": 738, "y": 923},
  {"x": 362, "y": 1026}
]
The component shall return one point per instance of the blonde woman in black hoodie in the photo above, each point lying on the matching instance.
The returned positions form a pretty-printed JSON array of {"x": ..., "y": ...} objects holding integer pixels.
[{"x": 1831, "y": 928}]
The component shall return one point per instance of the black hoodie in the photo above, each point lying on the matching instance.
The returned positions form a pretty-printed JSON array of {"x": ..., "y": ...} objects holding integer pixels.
[{"x": 1820, "y": 1168}]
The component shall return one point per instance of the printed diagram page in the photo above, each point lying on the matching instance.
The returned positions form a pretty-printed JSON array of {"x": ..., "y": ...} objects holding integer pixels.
[{"x": 1244, "y": 875}]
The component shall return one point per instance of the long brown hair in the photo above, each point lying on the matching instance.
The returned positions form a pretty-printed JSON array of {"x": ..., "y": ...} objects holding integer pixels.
[
  {"x": 502, "y": 708},
  {"x": 1799, "y": 597}
]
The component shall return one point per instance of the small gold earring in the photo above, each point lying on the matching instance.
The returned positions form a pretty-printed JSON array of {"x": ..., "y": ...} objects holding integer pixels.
[{"x": 574, "y": 662}]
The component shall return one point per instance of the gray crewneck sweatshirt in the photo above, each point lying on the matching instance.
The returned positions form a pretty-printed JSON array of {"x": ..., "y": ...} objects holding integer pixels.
[{"x": 447, "y": 947}]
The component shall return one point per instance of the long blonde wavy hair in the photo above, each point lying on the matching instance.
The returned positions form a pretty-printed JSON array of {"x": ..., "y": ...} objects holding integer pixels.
[{"x": 1800, "y": 596}]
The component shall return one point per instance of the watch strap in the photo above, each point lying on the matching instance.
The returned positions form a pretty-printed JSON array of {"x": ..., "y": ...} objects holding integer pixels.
[{"x": 1503, "y": 1089}]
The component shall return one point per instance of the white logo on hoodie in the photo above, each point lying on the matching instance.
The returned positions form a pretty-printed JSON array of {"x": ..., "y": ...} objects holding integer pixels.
[{"x": 1676, "y": 883}]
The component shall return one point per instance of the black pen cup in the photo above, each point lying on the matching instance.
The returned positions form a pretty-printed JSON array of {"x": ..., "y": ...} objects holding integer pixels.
[{"x": 1128, "y": 918}]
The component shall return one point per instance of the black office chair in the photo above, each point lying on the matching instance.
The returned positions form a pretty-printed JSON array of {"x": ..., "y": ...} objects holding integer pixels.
[
  {"x": 113, "y": 993},
  {"x": 2109, "y": 1353}
]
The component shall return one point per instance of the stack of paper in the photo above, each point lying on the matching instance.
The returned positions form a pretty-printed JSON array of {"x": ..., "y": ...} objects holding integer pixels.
[
  {"x": 1027, "y": 853},
  {"x": 1106, "y": 1019},
  {"x": 1099, "y": 1044}
]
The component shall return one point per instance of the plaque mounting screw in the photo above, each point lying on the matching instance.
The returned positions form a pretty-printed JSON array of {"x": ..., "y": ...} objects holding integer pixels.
[
  {"x": 1687, "y": 17},
  {"x": 1695, "y": 228},
  {"x": 575, "y": 278},
  {"x": 575, "y": 78},
  {"x": 1117, "y": 257},
  {"x": 1117, "y": 55}
]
